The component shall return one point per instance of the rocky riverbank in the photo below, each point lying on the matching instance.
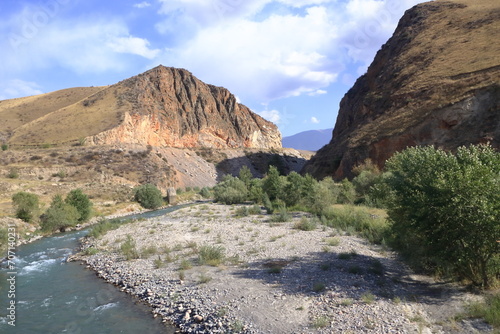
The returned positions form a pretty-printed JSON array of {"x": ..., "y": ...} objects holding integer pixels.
[{"x": 274, "y": 278}]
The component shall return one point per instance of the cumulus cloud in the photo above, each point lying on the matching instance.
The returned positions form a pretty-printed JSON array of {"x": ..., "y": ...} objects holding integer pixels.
[
  {"x": 270, "y": 55},
  {"x": 314, "y": 120},
  {"x": 132, "y": 45},
  {"x": 271, "y": 115}
]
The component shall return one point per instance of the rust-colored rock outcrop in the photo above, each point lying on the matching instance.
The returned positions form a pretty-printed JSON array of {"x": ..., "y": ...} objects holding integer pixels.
[
  {"x": 170, "y": 107},
  {"x": 435, "y": 82}
]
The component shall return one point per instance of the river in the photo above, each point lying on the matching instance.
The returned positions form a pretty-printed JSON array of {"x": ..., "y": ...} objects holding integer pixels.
[{"x": 54, "y": 296}]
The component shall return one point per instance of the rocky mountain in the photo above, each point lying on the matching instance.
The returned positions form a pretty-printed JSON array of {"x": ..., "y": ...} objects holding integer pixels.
[
  {"x": 435, "y": 82},
  {"x": 311, "y": 140},
  {"x": 164, "y": 107}
]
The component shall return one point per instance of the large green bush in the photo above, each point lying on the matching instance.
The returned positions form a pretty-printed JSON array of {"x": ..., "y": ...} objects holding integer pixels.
[
  {"x": 231, "y": 190},
  {"x": 148, "y": 196},
  {"x": 26, "y": 205},
  {"x": 59, "y": 216},
  {"x": 81, "y": 202},
  {"x": 445, "y": 210}
]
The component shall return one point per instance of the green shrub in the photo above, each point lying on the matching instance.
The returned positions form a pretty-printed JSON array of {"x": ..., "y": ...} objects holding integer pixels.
[
  {"x": 5, "y": 147},
  {"x": 102, "y": 227},
  {"x": 281, "y": 217},
  {"x": 211, "y": 255},
  {"x": 305, "y": 224},
  {"x": 231, "y": 191},
  {"x": 59, "y": 216},
  {"x": 445, "y": 210},
  {"x": 128, "y": 249},
  {"x": 13, "y": 173},
  {"x": 148, "y": 196},
  {"x": 273, "y": 184},
  {"x": 205, "y": 192},
  {"x": 489, "y": 310},
  {"x": 26, "y": 205},
  {"x": 242, "y": 211},
  {"x": 81, "y": 202}
]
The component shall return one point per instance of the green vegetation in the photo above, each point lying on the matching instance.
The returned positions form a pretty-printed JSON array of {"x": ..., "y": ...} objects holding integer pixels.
[
  {"x": 148, "y": 196},
  {"x": 211, "y": 255},
  {"x": 306, "y": 224},
  {"x": 489, "y": 310},
  {"x": 13, "y": 173},
  {"x": 26, "y": 205},
  {"x": 445, "y": 210},
  {"x": 104, "y": 226},
  {"x": 128, "y": 249},
  {"x": 81, "y": 202},
  {"x": 59, "y": 216},
  {"x": 4, "y": 234}
]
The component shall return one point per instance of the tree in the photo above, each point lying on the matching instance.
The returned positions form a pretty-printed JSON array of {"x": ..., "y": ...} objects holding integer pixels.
[
  {"x": 445, "y": 209},
  {"x": 26, "y": 205},
  {"x": 81, "y": 202},
  {"x": 59, "y": 215},
  {"x": 292, "y": 191},
  {"x": 274, "y": 184},
  {"x": 245, "y": 175},
  {"x": 230, "y": 191},
  {"x": 148, "y": 196}
]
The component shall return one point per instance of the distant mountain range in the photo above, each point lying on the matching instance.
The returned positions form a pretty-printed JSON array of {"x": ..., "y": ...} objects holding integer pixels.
[{"x": 311, "y": 140}]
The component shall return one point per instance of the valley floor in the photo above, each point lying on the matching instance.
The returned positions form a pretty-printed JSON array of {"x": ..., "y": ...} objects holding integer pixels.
[{"x": 275, "y": 278}]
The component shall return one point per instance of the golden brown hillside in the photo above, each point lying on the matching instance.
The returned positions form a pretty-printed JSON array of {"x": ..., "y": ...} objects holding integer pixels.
[
  {"x": 435, "y": 82},
  {"x": 164, "y": 107},
  {"x": 15, "y": 113}
]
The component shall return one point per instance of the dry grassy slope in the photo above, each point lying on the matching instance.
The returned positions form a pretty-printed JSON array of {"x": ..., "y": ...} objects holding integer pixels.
[
  {"x": 435, "y": 82},
  {"x": 15, "y": 113}
]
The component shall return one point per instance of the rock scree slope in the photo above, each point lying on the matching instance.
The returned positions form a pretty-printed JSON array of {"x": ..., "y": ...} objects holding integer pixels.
[
  {"x": 164, "y": 106},
  {"x": 435, "y": 82}
]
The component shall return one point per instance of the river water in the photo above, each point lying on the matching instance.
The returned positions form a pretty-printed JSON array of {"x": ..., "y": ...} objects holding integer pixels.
[{"x": 53, "y": 296}]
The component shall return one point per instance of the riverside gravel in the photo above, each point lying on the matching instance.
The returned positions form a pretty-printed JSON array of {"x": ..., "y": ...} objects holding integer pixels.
[{"x": 275, "y": 278}]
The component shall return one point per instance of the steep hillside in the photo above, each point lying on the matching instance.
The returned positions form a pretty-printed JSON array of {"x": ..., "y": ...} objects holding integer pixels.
[
  {"x": 311, "y": 140},
  {"x": 435, "y": 82},
  {"x": 161, "y": 107}
]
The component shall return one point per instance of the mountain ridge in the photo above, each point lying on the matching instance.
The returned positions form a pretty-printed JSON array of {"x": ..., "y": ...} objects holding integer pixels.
[{"x": 436, "y": 81}]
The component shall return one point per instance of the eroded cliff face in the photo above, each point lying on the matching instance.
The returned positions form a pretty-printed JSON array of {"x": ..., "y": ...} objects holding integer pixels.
[
  {"x": 170, "y": 107},
  {"x": 435, "y": 82}
]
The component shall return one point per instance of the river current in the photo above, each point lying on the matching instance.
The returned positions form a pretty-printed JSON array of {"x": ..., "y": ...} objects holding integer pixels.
[{"x": 54, "y": 296}]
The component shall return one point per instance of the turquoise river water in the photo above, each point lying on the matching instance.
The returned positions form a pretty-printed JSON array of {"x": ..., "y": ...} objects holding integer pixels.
[{"x": 42, "y": 293}]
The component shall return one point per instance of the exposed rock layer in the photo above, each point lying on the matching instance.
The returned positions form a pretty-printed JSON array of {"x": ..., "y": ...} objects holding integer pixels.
[
  {"x": 161, "y": 107},
  {"x": 435, "y": 82}
]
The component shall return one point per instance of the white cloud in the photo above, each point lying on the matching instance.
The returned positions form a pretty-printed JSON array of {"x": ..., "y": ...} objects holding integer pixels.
[
  {"x": 271, "y": 115},
  {"x": 16, "y": 87},
  {"x": 141, "y": 5},
  {"x": 269, "y": 56},
  {"x": 133, "y": 45},
  {"x": 314, "y": 120},
  {"x": 79, "y": 45},
  {"x": 318, "y": 92}
]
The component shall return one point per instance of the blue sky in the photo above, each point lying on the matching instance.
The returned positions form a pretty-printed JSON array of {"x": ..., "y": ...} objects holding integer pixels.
[{"x": 291, "y": 61}]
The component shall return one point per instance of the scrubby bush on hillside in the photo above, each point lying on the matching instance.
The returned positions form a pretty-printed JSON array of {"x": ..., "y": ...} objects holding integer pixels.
[
  {"x": 148, "y": 196},
  {"x": 445, "y": 210},
  {"x": 81, "y": 202},
  {"x": 59, "y": 216},
  {"x": 26, "y": 206}
]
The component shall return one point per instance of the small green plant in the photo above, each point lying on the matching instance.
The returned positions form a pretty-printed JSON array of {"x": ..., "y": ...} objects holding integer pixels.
[
  {"x": 13, "y": 173},
  {"x": 305, "y": 224},
  {"x": 357, "y": 270},
  {"x": 158, "y": 263},
  {"x": 368, "y": 297},
  {"x": 346, "y": 302},
  {"x": 211, "y": 255},
  {"x": 5, "y": 147},
  {"x": 128, "y": 248},
  {"x": 104, "y": 226},
  {"x": 281, "y": 217},
  {"x": 321, "y": 322},
  {"x": 489, "y": 310},
  {"x": 237, "y": 326},
  {"x": 90, "y": 251},
  {"x": 376, "y": 268},
  {"x": 242, "y": 212},
  {"x": 333, "y": 241},
  {"x": 185, "y": 265},
  {"x": 204, "y": 278},
  {"x": 254, "y": 210},
  {"x": 148, "y": 196},
  {"x": 318, "y": 287},
  {"x": 148, "y": 251}
]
